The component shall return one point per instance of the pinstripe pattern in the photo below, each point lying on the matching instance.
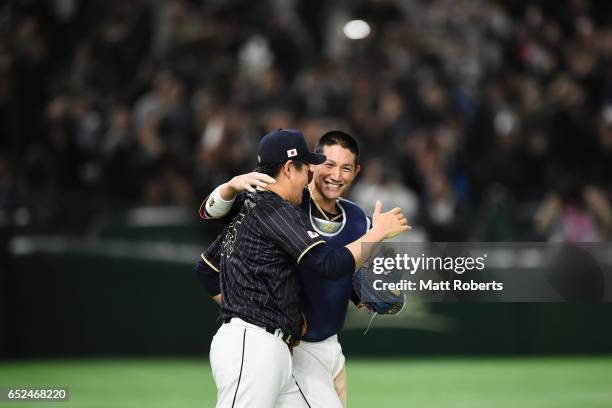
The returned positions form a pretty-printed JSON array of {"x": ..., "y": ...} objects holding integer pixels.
[{"x": 258, "y": 262}]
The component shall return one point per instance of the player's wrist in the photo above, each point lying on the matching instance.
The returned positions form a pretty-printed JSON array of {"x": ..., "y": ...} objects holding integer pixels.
[
  {"x": 228, "y": 191},
  {"x": 377, "y": 233},
  {"x": 218, "y": 205}
]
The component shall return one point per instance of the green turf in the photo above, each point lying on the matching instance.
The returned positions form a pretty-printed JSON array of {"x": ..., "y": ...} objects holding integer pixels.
[{"x": 423, "y": 383}]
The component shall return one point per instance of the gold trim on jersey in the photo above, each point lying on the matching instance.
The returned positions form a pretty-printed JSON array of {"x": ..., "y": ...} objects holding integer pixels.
[
  {"x": 308, "y": 249},
  {"x": 209, "y": 263},
  {"x": 321, "y": 210},
  {"x": 337, "y": 216}
]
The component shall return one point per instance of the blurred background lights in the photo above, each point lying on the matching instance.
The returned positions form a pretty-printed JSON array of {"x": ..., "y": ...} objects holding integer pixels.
[{"x": 356, "y": 29}]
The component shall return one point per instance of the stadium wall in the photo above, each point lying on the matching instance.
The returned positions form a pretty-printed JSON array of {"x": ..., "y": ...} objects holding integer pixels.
[{"x": 87, "y": 304}]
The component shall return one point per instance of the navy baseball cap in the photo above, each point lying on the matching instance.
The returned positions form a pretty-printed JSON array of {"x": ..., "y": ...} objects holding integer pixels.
[{"x": 281, "y": 145}]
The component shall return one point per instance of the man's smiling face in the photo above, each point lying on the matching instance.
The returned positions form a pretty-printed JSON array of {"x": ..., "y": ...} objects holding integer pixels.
[{"x": 335, "y": 175}]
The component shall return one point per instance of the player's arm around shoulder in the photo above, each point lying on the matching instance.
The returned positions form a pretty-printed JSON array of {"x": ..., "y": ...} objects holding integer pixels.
[{"x": 221, "y": 202}]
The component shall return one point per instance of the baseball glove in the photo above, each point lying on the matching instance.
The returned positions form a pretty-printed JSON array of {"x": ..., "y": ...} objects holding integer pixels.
[{"x": 384, "y": 302}]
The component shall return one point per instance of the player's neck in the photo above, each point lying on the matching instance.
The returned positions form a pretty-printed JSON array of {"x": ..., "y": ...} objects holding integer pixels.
[
  {"x": 326, "y": 204},
  {"x": 279, "y": 189}
]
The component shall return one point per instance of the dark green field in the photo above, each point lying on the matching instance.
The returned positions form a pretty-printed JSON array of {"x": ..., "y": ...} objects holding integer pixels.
[{"x": 469, "y": 383}]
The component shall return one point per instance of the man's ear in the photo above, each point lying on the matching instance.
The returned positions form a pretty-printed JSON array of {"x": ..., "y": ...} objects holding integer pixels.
[
  {"x": 287, "y": 168},
  {"x": 357, "y": 169}
]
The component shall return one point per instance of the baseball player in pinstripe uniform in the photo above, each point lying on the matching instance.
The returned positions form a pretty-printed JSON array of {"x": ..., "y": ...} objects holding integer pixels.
[
  {"x": 318, "y": 364},
  {"x": 266, "y": 238}
]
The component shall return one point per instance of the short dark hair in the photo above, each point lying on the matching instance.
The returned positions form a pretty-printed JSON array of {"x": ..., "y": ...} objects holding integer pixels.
[
  {"x": 338, "y": 137},
  {"x": 273, "y": 170}
]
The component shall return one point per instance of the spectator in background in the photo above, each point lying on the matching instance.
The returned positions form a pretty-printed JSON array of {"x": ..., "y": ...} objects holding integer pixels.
[
  {"x": 120, "y": 153},
  {"x": 575, "y": 214},
  {"x": 601, "y": 163},
  {"x": 380, "y": 182}
]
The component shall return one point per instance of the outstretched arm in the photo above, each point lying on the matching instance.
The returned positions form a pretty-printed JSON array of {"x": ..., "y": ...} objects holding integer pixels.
[{"x": 336, "y": 263}]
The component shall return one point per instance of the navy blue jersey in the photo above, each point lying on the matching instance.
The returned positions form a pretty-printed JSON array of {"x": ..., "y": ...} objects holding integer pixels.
[
  {"x": 258, "y": 253},
  {"x": 325, "y": 301}
]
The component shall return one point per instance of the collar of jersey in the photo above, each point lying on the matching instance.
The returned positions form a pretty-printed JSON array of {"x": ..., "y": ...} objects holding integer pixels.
[
  {"x": 327, "y": 234},
  {"x": 268, "y": 195}
]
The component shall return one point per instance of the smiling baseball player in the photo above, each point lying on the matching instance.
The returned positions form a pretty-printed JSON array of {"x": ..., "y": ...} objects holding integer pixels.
[
  {"x": 257, "y": 255},
  {"x": 318, "y": 363}
]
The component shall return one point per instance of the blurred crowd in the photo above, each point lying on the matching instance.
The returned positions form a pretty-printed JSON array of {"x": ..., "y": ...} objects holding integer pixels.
[{"x": 484, "y": 120}]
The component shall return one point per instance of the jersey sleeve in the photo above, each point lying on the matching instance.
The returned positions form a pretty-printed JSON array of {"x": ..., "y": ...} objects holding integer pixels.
[
  {"x": 212, "y": 255},
  {"x": 329, "y": 263},
  {"x": 289, "y": 228},
  {"x": 207, "y": 268}
]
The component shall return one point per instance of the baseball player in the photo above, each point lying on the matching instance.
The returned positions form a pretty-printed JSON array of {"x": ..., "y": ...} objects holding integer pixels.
[
  {"x": 258, "y": 252},
  {"x": 318, "y": 364}
]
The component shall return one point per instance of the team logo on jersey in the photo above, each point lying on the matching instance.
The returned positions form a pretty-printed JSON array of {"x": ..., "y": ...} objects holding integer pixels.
[
  {"x": 312, "y": 234},
  {"x": 291, "y": 152},
  {"x": 229, "y": 241},
  {"x": 328, "y": 227}
]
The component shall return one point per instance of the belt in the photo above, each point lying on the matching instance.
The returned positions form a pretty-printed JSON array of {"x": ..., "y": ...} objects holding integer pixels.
[{"x": 287, "y": 338}]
